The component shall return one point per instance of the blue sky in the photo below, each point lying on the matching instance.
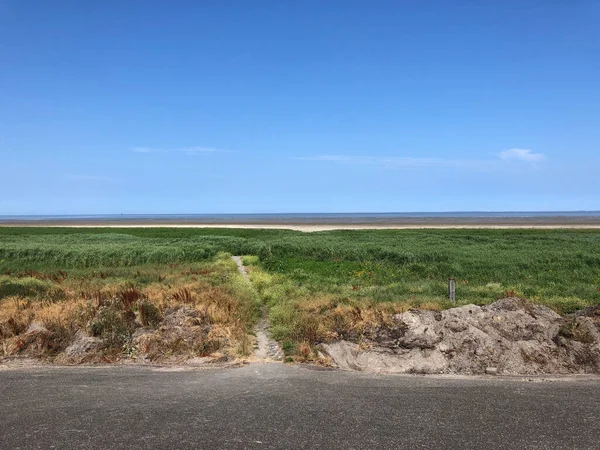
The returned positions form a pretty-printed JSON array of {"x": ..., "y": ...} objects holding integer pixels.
[{"x": 299, "y": 106}]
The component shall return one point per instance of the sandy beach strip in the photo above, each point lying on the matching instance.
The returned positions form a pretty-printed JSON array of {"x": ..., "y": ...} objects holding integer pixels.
[{"x": 314, "y": 227}]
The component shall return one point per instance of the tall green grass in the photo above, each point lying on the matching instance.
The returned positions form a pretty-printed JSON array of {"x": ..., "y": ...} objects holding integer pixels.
[
  {"x": 560, "y": 266},
  {"x": 74, "y": 250}
]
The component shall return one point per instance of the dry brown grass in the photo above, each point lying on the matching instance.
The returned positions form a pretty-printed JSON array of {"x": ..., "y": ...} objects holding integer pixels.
[
  {"x": 334, "y": 320},
  {"x": 217, "y": 319}
]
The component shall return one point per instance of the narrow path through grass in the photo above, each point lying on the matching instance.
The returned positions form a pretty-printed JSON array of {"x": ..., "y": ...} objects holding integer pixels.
[{"x": 265, "y": 348}]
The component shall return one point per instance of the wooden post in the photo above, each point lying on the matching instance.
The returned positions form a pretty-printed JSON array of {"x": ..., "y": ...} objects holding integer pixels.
[{"x": 452, "y": 289}]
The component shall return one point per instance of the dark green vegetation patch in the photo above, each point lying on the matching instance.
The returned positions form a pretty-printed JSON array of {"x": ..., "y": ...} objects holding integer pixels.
[{"x": 558, "y": 267}]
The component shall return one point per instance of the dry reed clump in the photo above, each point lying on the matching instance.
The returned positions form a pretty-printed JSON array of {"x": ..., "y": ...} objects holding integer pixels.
[
  {"x": 337, "y": 320},
  {"x": 61, "y": 320},
  {"x": 107, "y": 320},
  {"x": 15, "y": 316},
  {"x": 23, "y": 321}
]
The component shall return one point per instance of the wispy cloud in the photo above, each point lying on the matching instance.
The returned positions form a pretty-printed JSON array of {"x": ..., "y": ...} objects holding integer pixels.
[
  {"x": 184, "y": 150},
  {"x": 521, "y": 154},
  {"x": 409, "y": 162}
]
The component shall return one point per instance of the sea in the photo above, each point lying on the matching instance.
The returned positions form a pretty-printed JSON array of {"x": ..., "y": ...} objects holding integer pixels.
[{"x": 318, "y": 218}]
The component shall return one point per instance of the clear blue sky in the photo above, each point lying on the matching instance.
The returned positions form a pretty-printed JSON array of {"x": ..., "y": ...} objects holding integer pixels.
[{"x": 299, "y": 106}]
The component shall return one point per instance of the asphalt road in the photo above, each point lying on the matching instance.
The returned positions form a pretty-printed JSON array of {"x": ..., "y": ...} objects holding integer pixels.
[{"x": 263, "y": 406}]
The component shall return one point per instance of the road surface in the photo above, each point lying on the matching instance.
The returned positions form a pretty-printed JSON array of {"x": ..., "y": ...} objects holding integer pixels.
[{"x": 270, "y": 405}]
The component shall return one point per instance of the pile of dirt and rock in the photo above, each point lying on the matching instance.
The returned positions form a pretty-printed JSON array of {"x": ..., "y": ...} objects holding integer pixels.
[{"x": 509, "y": 336}]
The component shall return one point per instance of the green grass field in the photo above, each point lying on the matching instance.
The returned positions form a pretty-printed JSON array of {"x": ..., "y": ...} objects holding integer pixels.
[
  {"x": 312, "y": 282},
  {"x": 388, "y": 264}
]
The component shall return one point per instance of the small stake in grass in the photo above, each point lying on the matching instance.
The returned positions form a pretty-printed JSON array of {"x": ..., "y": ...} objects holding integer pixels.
[{"x": 452, "y": 289}]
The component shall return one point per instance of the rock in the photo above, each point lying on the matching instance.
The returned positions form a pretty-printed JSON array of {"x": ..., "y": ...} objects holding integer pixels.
[
  {"x": 456, "y": 325},
  {"x": 419, "y": 331},
  {"x": 34, "y": 342},
  {"x": 83, "y": 345}
]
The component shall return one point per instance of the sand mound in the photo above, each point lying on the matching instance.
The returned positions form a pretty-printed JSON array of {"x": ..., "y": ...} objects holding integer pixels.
[{"x": 510, "y": 336}]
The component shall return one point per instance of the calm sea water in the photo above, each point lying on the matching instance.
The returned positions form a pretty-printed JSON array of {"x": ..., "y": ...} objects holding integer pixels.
[{"x": 313, "y": 217}]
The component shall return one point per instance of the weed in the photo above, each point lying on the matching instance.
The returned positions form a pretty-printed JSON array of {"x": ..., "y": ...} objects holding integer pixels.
[
  {"x": 57, "y": 277},
  {"x": 304, "y": 350},
  {"x": 129, "y": 296},
  {"x": 197, "y": 272},
  {"x": 288, "y": 347},
  {"x": 113, "y": 325},
  {"x": 149, "y": 314},
  {"x": 25, "y": 287},
  {"x": 183, "y": 296},
  {"x": 250, "y": 260}
]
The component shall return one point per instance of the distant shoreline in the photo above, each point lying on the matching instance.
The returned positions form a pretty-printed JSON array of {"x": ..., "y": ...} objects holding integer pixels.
[
  {"x": 327, "y": 225},
  {"x": 321, "y": 221}
]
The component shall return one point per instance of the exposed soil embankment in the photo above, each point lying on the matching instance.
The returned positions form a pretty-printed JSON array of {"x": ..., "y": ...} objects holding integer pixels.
[{"x": 509, "y": 336}]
